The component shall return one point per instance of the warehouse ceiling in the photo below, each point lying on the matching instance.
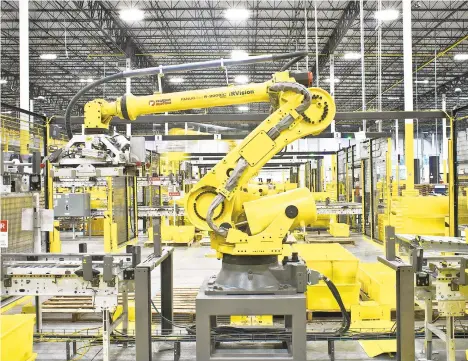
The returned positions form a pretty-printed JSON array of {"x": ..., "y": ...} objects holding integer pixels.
[{"x": 91, "y": 41}]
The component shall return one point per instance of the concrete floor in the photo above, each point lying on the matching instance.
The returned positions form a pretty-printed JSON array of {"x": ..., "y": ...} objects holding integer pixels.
[{"x": 192, "y": 265}]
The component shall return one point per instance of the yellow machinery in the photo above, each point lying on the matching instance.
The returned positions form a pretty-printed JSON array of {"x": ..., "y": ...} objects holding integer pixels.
[
  {"x": 257, "y": 234},
  {"x": 16, "y": 337},
  {"x": 339, "y": 265},
  {"x": 247, "y": 234}
]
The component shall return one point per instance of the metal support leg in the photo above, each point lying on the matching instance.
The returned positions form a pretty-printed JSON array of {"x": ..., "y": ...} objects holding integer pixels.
[
  {"x": 143, "y": 314},
  {"x": 67, "y": 350},
  {"x": 450, "y": 340},
  {"x": 74, "y": 348},
  {"x": 166, "y": 295},
  {"x": 105, "y": 335},
  {"x": 427, "y": 332},
  {"x": 405, "y": 313},
  {"x": 125, "y": 311},
  {"x": 157, "y": 236},
  {"x": 38, "y": 313},
  {"x": 331, "y": 350},
  {"x": 404, "y": 307},
  {"x": 176, "y": 351}
]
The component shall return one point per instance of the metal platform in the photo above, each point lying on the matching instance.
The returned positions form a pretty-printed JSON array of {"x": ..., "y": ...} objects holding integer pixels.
[
  {"x": 339, "y": 208},
  {"x": 210, "y": 306}
]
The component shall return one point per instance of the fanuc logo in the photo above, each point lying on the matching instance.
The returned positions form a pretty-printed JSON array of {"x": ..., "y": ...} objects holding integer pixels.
[
  {"x": 240, "y": 92},
  {"x": 153, "y": 103}
]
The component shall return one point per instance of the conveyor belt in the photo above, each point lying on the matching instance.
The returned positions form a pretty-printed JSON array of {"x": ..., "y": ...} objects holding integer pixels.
[{"x": 339, "y": 208}]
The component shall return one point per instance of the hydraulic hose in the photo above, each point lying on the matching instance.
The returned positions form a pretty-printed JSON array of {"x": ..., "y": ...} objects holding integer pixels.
[
  {"x": 291, "y": 62},
  {"x": 273, "y": 133},
  {"x": 171, "y": 68},
  {"x": 346, "y": 322}
]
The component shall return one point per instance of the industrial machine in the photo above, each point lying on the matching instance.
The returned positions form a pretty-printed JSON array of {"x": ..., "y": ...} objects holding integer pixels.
[
  {"x": 249, "y": 238},
  {"x": 440, "y": 266},
  {"x": 16, "y": 175}
]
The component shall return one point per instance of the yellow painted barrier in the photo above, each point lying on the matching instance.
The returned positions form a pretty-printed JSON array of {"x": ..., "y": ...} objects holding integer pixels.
[
  {"x": 332, "y": 260},
  {"x": 319, "y": 297},
  {"x": 378, "y": 283},
  {"x": 16, "y": 337},
  {"x": 419, "y": 215},
  {"x": 335, "y": 262}
]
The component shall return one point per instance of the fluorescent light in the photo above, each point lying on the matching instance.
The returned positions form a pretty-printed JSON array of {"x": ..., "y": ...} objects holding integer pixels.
[
  {"x": 40, "y": 97},
  {"x": 48, "y": 56},
  {"x": 387, "y": 15},
  {"x": 239, "y": 54},
  {"x": 176, "y": 80},
  {"x": 425, "y": 81},
  {"x": 241, "y": 79},
  {"x": 7, "y": 112},
  {"x": 335, "y": 80},
  {"x": 243, "y": 108},
  {"x": 393, "y": 98},
  {"x": 352, "y": 56},
  {"x": 130, "y": 15},
  {"x": 238, "y": 14},
  {"x": 460, "y": 57},
  {"x": 89, "y": 80},
  {"x": 3, "y": 81}
]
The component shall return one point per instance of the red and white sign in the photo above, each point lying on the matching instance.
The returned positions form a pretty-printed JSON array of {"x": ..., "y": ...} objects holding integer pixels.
[
  {"x": 174, "y": 194},
  {"x": 4, "y": 234}
]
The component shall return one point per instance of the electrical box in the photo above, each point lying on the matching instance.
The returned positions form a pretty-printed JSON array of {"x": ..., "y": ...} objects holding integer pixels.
[{"x": 72, "y": 205}]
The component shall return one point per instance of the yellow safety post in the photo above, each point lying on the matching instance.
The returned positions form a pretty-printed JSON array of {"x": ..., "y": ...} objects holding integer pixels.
[
  {"x": 452, "y": 230},
  {"x": 363, "y": 221},
  {"x": 388, "y": 178},
  {"x": 24, "y": 135},
  {"x": 135, "y": 205},
  {"x": 409, "y": 160},
  {"x": 333, "y": 169},
  {"x": 55, "y": 244},
  {"x": 110, "y": 228}
]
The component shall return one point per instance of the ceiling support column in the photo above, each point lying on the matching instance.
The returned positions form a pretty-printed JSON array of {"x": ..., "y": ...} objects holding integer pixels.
[
  {"x": 128, "y": 90},
  {"x": 408, "y": 87},
  {"x": 24, "y": 76}
]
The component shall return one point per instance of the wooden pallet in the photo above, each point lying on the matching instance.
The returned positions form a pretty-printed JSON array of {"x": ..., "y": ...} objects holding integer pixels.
[
  {"x": 183, "y": 305},
  {"x": 325, "y": 239}
]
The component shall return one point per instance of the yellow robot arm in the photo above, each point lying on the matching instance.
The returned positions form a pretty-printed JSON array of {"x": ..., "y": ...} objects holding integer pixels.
[{"x": 297, "y": 111}]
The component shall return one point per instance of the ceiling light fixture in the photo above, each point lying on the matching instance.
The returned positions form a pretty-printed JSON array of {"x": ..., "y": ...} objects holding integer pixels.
[
  {"x": 241, "y": 79},
  {"x": 48, "y": 56},
  {"x": 176, "y": 80},
  {"x": 3, "y": 81},
  {"x": 237, "y": 14},
  {"x": 393, "y": 98},
  {"x": 243, "y": 108},
  {"x": 133, "y": 14},
  {"x": 239, "y": 54},
  {"x": 352, "y": 56},
  {"x": 335, "y": 80},
  {"x": 387, "y": 15},
  {"x": 425, "y": 81},
  {"x": 7, "y": 112},
  {"x": 89, "y": 80},
  {"x": 460, "y": 57}
]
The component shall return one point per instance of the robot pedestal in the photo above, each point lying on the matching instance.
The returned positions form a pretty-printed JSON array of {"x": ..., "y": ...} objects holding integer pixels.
[{"x": 293, "y": 307}]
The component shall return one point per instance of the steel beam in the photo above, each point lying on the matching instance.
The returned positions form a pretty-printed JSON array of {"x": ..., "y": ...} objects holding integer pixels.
[
  {"x": 346, "y": 21},
  {"x": 259, "y": 117}
]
